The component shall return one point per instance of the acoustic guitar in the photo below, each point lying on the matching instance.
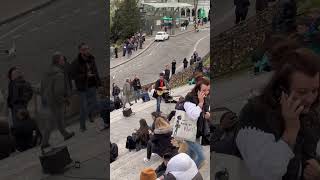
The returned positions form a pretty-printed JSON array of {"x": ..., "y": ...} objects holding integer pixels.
[{"x": 162, "y": 91}]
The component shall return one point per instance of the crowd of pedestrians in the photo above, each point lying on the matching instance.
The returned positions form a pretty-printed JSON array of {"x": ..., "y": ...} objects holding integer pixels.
[{"x": 130, "y": 45}]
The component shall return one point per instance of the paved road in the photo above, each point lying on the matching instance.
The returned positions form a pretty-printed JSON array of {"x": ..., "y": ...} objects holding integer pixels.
[
  {"x": 224, "y": 16},
  {"x": 150, "y": 63},
  {"x": 58, "y": 27}
]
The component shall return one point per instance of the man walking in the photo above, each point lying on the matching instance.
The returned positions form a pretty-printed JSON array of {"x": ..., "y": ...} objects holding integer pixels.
[
  {"x": 185, "y": 63},
  {"x": 55, "y": 91},
  {"x": 167, "y": 73},
  {"x": 124, "y": 50},
  {"x": 116, "y": 51},
  {"x": 126, "y": 93},
  {"x": 242, "y": 7},
  {"x": 173, "y": 67},
  {"x": 136, "y": 88},
  {"x": 19, "y": 93},
  {"x": 87, "y": 80}
]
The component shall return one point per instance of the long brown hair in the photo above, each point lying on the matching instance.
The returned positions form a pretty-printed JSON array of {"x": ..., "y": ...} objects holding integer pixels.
[
  {"x": 197, "y": 87},
  {"x": 298, "y": 60},
  {"x": 143, "y": 131},
  {"x": 143, "y": 125}
]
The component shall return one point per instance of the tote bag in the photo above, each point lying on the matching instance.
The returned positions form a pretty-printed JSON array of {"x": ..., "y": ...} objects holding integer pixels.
[{"x": 183, "y": 127}]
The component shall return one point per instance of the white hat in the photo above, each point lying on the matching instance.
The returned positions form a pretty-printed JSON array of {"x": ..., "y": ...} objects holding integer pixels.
[{"x": 182, "y": 167}]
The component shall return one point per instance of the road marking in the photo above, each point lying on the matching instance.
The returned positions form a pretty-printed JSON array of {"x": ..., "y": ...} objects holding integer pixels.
[
  {"x": 194, "y": 49},
  {"x": 76, "y": 11},
  {"x": 34, "y": 29},
  {"x": 51, "y": 22},
  {"x": 16, "y": 36},
  {"x": 15, "y": 29},
  {"x": 93, "y": 13},
  {"x": 63, "y": 17}
]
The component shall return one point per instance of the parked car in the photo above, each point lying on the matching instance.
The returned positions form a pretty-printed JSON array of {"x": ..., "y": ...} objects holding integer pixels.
[{"x": 161, "y": 36}]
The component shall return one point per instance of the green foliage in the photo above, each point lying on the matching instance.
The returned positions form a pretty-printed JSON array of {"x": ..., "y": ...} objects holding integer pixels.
[
  {"x": 305, "y": 5},
  {"x": 126, "y": 20}
]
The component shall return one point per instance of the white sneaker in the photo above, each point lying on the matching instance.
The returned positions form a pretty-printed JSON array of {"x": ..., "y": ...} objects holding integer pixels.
[
  {"x": 146, "y": 160},
  {"x": 154, "y": 155}
]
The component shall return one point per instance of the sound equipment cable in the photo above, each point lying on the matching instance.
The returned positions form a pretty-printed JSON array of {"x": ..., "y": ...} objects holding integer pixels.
[{"x": 86, "y": 178}]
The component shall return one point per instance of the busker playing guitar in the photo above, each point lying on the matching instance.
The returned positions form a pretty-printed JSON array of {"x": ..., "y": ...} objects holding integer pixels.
[{"x": 161, "y": 87}]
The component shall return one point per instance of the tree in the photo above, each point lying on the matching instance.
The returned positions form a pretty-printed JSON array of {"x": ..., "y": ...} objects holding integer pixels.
[{"x": 126, "y": 20}]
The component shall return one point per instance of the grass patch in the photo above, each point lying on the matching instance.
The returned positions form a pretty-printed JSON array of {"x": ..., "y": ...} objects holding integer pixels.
[
  {"x": 305, "y": 5},
  {"x": 206, "y": 62}
]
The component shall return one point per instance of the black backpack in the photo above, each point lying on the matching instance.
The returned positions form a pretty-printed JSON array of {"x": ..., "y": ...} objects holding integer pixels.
[
  {"x": 117, "y": 103},
  {"x": 130, "y": 144},
  {"x": 113, "y": 152},
  {"x": 230, "y": 144}
]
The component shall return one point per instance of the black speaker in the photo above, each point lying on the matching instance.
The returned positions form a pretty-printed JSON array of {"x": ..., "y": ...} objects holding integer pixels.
[
  {"x": 55, "y": 160},
  {"x": 127, "y": 112}
]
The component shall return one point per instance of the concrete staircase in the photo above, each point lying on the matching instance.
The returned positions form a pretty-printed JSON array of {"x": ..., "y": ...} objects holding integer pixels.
[{"x": 129, "y": 164}]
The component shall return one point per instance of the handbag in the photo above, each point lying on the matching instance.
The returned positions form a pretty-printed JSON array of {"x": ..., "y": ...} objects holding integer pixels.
[{"x": 184, "y": 128}]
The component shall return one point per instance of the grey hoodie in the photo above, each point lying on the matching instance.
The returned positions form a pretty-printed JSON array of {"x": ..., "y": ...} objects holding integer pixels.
[{"x": 55, "y": 86}]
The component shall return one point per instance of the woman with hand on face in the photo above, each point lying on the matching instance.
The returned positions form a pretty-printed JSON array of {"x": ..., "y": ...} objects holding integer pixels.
[
  {"x": 197, "y": 110},
  {"x": 280, "y": 128}
]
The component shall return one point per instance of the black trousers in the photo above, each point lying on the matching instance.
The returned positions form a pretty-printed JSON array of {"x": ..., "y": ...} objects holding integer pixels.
[
  {"x": 241, "y": 15},
  {"x": 149, "y": 149}
]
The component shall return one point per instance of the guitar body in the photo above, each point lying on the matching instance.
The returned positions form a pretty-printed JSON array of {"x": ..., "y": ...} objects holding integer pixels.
[{"x": 158, "y": 93}]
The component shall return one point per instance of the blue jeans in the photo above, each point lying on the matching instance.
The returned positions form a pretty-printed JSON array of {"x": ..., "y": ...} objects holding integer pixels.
[
  {"x": 158, "y": 103},
  {"x": 104, "y": 108},
  {"x": 195, "y": 152},
  {"x": 88, "y": 101},
  {"x": 137, "y": 94}
]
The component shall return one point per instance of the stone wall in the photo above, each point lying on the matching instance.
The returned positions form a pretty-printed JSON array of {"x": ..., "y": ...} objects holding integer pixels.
[{"x": 230, "y": 49}]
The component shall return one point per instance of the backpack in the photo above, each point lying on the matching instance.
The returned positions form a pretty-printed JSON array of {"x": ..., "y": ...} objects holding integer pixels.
[
  {"x": 229, "y": 146},
  {"x": 130, "y": 144},
  {"x": 26, "y": 91},
  {"x": 117, "y": 103},
  {"x": 116, "y": 91},
  {"x": 113, "y": 152}
]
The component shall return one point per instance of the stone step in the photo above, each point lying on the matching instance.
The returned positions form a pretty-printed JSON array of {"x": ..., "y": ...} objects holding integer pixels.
[
  {"x": 132, "y": 168},
  {"x": 133, "y": 163}
]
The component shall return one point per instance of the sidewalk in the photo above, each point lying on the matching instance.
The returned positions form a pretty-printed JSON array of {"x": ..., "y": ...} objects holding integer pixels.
[
  {"x": 12, "y": 9},
  {"x": 129, "y": 164},
  {"x": 149, "y": 41},
  {"x": 90, "y": 148}
]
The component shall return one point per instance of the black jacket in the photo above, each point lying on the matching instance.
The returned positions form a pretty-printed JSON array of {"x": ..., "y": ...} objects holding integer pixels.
[
  {"x": 157, "y": 85},
  {"x": 268, "y": 119},
  {"x": 19, "y": 94},
  {"x": 80, "y": 73},
  {"x": 202, "y": 123},
  {"x": 242, "y": 4},
  {"x": 162, "y": 142},
  {"x": 115, "y": 91},
  {"x": 261, "y": 5},
  {"x": 167, "y": 74},
  {"x": 136, "y": 84},
  {"x": 173, "y": 64}
]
